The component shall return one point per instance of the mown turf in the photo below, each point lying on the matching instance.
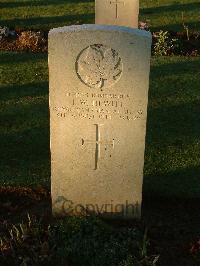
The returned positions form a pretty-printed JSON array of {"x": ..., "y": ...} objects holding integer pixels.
[
  {"x": 172, "y": 160},
  {"x": 24, "y": 119},
  {"x": 41, "y": 14},
  {"x": 171, "y": 15},
  {"x": 172, "y": 164}
]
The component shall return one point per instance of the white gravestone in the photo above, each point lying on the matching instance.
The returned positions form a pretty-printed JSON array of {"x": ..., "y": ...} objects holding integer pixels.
[
  {"x": 117, "y": 12},
  {"x": 99, "y": 78}
]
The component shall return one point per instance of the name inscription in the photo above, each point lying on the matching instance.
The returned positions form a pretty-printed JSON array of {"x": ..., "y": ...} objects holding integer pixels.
[{"x": 98, "y": 106}]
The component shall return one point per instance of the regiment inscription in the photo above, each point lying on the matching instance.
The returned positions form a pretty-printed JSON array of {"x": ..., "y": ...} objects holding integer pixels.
[{"x": 98, "y": 106}]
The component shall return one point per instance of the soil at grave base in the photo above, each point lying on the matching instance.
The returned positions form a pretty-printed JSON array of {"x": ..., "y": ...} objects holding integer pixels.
[
  {"x": 173, "y": 225},
  {"x": 188, "y": 47}
]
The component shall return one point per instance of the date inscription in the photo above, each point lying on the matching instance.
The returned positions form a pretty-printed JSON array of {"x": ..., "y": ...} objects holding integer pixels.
[{"x": 98, "y": 106}]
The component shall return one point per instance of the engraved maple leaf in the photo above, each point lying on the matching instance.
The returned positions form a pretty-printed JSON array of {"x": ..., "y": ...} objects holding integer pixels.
[
  {"x": 99, "y": 66},
  {"x": 110, "y": 65},
  {"x": 90, "y": 66}
]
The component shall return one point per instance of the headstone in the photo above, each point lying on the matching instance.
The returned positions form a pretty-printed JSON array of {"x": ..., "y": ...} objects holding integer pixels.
[
  {"x": 117, "y": 12},
  {"x": 99, "y": 79}
]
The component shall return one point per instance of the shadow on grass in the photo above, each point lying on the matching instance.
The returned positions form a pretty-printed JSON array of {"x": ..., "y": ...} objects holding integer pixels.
[
  {"x": 18, "y": 57},
  {"x": 27, "y": 147},
  {"x": 194, "y": 27},
  {"x": 24, "y": 144},
  {"x": 174, "y": 125},
  {"x": 171, "y": 8},
  {"x": 16, "y": 92},
  {"x": 43, "y": 22},
  {"x": 41, "y": 3},
  {"x": 179, "y": 80},
  {"x": 182, "y": 183},
  {"x": 193, "y": 24},
  {"x": 174, "y": 68},
  {"x": 172, "y": 144}
]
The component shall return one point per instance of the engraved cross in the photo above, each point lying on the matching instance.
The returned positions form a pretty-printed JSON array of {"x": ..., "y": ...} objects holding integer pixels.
[
  {"x": 117, "y": 2},
  {"x": 98, "y": 142}
]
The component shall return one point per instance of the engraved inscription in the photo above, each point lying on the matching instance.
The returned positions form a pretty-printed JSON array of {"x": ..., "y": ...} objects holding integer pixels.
[
  {"x": 99, "y": 106},
  {"x": 99, "y": 144},
  {"x": 99, "y": 66},
  {"x": 116, "y": 2}
]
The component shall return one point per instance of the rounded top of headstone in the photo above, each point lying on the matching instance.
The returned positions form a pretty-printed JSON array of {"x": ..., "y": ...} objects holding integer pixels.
[{"x": 94, "y": 27}]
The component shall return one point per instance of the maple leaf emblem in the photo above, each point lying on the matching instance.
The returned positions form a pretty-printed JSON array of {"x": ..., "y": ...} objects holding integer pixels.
[{"x": 99, "y": 66}]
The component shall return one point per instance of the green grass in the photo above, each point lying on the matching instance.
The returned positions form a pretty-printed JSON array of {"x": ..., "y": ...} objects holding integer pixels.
[
  {"x": 172, "y": 160},
  {"x": 46, "y": 14},
  {"x": 167, "y": 14},
  {"x": 173, "y": 139},
  {"x": 24, "y": 130}
]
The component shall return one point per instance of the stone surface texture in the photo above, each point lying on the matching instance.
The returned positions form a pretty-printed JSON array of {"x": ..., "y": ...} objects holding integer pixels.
[
  {"x": 99, "y": 79},
  {"x": 117, "y": 12}
]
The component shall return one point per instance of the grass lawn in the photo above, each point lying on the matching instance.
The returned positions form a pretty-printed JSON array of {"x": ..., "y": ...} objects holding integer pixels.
[
  {"x": 41, "y": 14},
  {"x": 172, "y": 158}
]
